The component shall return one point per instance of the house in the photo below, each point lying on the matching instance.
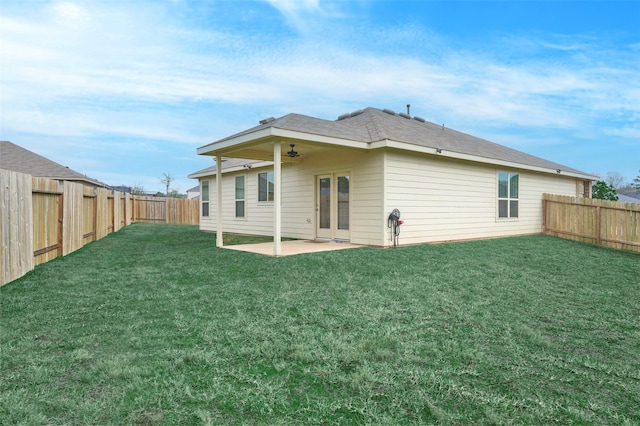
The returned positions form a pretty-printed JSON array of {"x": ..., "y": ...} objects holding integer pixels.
[
  {"x": 193, "y": 193},
  {"x": 123, "y": 188},
  {"x": 342, "y": 179},
  {"x": 18, "y": 159}
]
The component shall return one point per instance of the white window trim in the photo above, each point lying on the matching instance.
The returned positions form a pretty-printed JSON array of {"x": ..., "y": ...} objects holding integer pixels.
[
  {"x": 235, "y": 200},
  {"x": 208, "y": 201},
  {"x": 264, "y": 202},
  {"x": 508, "y": 198}
]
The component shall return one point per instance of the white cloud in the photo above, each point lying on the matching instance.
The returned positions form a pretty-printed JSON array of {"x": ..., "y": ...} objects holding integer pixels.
[
  {"x": 307, "y": 16},
  {"x": 625, "y": 131},
  {"x": 292, "y": 6},
  {"x": 134, "y": 66},
  {"x": 69, "y": 13},
  {"x": 131, "y": 70}
]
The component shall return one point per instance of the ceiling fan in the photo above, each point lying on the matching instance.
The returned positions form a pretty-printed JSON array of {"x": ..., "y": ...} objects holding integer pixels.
[{"x": 293, "y": 153}]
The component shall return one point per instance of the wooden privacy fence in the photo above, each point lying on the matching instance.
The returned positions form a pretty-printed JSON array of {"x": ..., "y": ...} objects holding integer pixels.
[
  {"x": 605, "y": 223},
  {"x": 167, "y": 210},
  {"x": 42, "y": 218}
]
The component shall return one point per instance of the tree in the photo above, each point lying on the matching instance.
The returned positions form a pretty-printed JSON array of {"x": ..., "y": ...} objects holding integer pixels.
[
  {"x": 166, "y": 180},
  {"x": 137, "y": 189},
  {"x": 626, "y": 188},
  {"x": 636, "y": 182},
  {"x": 174, "y": 193},
  {"x": 614, "y": 179},
  {"x": 603, "y": 191}
]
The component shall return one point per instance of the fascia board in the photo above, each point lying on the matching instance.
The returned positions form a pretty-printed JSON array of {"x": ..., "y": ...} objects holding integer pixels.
[
  {"x": 274, "y": 132},
  {"x": 211, "y": 148},
  {"x": 291, "y": 134},
  {"x": 475, "y": 158},
  {"x": 198, "y": 175},
  {"x": 231, "y": 169}
]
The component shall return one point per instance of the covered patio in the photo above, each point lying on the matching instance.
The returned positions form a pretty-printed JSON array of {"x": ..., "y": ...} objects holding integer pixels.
[{"x": 290, "y": 248}]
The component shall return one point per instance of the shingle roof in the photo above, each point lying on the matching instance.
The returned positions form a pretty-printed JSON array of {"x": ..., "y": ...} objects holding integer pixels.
[
  {"x": 373, "y": 125},
  {"x": 629, "y": 197},
  {"x": 18, "y": 159},
  {"x": 227, "y": 163}
]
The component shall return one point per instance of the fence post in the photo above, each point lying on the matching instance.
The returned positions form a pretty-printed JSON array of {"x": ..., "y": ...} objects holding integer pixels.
[
  {"x": 61, "y": 224},
  {"x": 598, "y": 225},
  {"x": 544, "y": 214},
  {"x": 95, "y": 215}
]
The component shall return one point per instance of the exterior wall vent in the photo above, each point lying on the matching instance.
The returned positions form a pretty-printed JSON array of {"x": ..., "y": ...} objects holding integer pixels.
[
  {"x": 343, "y": 116},
  {"x": 388, "y": 111},
  {"x": 420, "y": 119}
]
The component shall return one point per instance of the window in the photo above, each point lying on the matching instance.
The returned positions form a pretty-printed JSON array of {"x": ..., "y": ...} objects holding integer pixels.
[
  {"x": 265, "y": 186},
  {"x": 508, "y": 184},
  {"x": 239, "y": 196},
  {"x": 204, "y": 197},
  {"x": 586, "y": 189}
]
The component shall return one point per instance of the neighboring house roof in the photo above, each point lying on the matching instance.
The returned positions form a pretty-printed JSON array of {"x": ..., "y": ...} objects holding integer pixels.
[
  {"x": 194, "y": 193},
  {"x": 18, "y": 159},
  {"x": 229, "y": 164},
  {"x": 629, "y": 197},
  {"x": 377, "y": 128},
  {"x": 122, "y": 188}
]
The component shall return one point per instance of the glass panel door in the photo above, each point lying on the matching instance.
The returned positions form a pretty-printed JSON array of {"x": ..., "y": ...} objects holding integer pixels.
[
  {"x": 333, "y": 206},
  {"x": 324, "y": 207},
  {"x": 342, "y": 207}
]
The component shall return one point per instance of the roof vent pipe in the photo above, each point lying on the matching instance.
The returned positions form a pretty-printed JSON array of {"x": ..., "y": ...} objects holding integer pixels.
[{"x": 409, "y": 109}]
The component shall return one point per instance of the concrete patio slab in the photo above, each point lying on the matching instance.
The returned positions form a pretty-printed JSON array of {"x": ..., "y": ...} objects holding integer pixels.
[{"x": 290, "y": 248}]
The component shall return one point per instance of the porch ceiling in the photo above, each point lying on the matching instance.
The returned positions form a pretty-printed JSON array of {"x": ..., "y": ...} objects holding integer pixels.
[{"x": 263, "y": 149}]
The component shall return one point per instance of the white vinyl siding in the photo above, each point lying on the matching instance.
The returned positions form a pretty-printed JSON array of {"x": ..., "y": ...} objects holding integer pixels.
[
  {"x": 443, "y": 200},
  {"x": 439, "y": 199},
  {"x": 366, "y": 219}
]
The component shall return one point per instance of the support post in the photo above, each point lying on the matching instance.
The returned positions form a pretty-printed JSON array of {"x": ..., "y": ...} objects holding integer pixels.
[
  {"x": 277, "y": 207},
  {"x": 218, "y": 201}
]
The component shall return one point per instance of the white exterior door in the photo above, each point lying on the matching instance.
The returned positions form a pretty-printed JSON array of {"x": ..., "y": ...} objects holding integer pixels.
[{"x": 333, "y": 206}]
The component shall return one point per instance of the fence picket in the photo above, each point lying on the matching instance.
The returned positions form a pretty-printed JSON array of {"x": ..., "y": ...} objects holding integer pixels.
[
  {"x": 605, "y": 223},
  {"x": 41, "y": 219}
]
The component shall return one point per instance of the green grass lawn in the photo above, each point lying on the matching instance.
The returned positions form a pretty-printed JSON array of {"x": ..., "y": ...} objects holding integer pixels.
[{"x": 154, "y": 325}]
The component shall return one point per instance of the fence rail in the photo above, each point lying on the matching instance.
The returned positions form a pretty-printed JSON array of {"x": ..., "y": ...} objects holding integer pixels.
[
  {"x": 605, "y": 223},
  {"x": 42, "y": 218}
]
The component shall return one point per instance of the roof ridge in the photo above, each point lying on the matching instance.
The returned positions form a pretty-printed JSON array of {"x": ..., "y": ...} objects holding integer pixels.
[{"x": 377, "y": 123}]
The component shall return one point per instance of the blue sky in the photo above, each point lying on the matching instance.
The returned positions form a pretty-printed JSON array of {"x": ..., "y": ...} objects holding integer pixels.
[{"x": 125, "y": 91}]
